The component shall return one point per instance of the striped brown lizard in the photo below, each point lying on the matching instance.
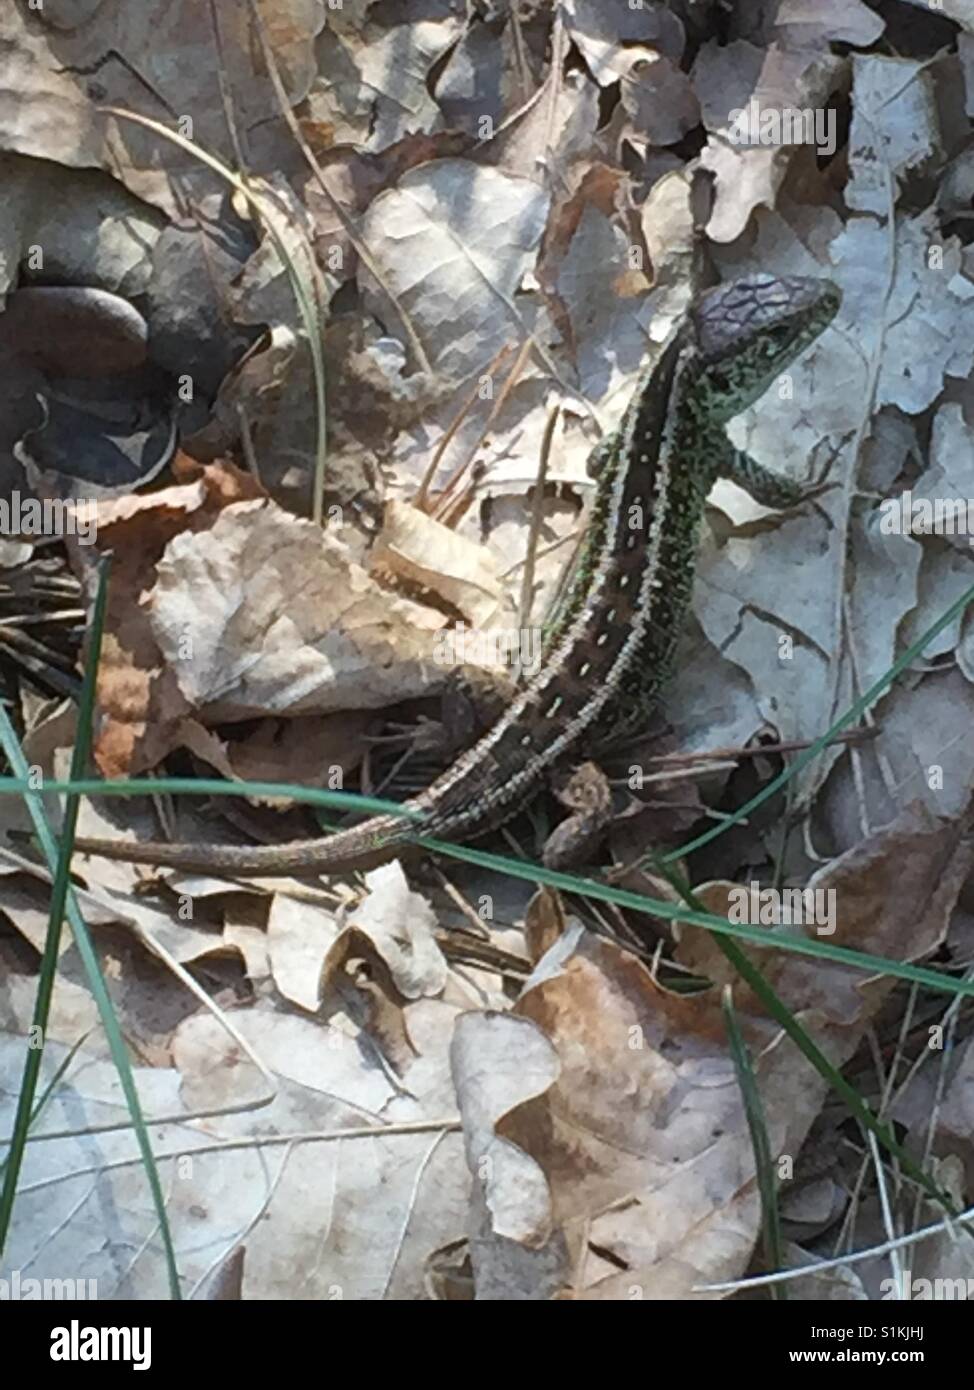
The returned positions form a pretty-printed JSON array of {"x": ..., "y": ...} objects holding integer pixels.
[{"x": 607, "y": 654}]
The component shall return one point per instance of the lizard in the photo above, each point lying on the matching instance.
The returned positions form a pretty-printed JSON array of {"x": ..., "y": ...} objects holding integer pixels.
[{"x": 608, "y": 652}]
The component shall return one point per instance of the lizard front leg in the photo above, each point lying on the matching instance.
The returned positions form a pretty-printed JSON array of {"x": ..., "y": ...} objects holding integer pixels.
[{"x": 767, "y": 487}]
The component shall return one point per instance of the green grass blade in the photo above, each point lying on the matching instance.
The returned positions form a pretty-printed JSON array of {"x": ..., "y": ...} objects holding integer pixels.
[
  {"x": 63, "y": 901},
  {"x": 516, "y": 868},
  {"x": 774, "y": 1253},
  {"x": 60, "y": 1071}
]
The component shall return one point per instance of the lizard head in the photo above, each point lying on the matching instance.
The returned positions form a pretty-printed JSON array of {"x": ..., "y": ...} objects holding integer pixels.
[{"x": 749, "y": 329}]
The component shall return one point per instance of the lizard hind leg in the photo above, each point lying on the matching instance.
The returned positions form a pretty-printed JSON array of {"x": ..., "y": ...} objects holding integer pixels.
[{"x": 587, "y": 795}]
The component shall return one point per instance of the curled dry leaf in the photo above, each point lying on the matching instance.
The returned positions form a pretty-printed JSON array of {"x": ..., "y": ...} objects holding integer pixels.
[
  {"x": 138, "y": 694},
  {"x": 230, "y": 608},
  {"x": 424, "y": 553},
  {"x": 395, "y": 926},
  {"x": 276, "y": 617}
]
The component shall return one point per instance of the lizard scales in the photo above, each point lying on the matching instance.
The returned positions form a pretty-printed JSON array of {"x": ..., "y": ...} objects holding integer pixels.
[{"x": 613, "y": 641}]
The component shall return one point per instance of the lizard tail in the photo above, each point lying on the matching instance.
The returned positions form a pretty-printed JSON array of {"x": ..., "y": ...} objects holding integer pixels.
[{"x": 364, "y": 846}]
